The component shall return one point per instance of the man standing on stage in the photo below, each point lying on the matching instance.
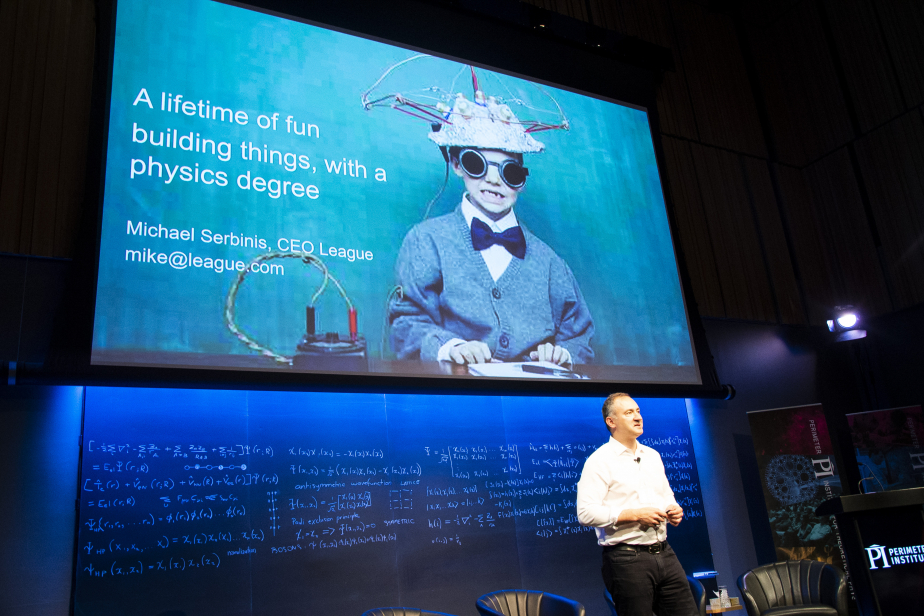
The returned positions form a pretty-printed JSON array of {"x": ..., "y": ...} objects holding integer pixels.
[{"x": 624, "y": 493}]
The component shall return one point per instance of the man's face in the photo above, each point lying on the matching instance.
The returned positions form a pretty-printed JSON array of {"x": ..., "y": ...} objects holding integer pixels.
[
  {"x": 490, "y": 193},
  {"x": 625, "y": 419}
]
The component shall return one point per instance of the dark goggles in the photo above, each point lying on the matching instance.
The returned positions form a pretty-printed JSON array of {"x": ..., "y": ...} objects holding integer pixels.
[{"x": 476, "y": 165}]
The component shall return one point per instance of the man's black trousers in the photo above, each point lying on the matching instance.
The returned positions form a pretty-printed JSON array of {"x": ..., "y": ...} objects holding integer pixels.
[{"x": 641, "y": 583}]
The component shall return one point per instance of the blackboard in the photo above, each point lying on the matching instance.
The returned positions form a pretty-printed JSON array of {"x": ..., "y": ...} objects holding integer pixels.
[{"x": 231, "y": 502}]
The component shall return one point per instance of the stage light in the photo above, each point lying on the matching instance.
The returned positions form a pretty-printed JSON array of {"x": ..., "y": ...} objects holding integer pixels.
[{"x": 845, "y": 323}]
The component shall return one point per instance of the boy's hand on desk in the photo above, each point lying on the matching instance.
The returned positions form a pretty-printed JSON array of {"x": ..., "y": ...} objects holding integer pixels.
[
  {"x": 471, "y": 352},
  {"x": 553, "y": 353}
]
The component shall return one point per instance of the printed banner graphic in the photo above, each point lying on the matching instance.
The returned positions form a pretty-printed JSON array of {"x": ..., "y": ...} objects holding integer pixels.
[
  {"x": 797, "y": 470},
  {"x": 889, "y": 446}
]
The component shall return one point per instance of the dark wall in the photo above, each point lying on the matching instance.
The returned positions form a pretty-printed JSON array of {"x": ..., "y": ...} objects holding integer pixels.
[
  {"x": 39, "y": 449},
  {"x": 891, "y": 360},
  {"x": 33, "y": 294}
]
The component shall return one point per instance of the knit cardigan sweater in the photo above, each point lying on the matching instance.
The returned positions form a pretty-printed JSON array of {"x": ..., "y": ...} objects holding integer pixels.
[{"x": 449, "y": 293}]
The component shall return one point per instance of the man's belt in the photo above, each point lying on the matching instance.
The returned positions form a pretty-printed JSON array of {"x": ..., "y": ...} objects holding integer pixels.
[{"x": 652, "y": 548}]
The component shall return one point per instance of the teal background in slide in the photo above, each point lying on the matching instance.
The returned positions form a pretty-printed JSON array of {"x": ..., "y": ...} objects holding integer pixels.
[{"x": 594, "y": 195}]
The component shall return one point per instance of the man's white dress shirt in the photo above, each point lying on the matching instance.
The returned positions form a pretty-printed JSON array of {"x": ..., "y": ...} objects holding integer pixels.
[{"x": 612, "y": 481}]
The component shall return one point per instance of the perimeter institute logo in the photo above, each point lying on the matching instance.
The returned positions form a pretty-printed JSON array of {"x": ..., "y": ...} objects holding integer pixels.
[{"x": 886, "y": 556}]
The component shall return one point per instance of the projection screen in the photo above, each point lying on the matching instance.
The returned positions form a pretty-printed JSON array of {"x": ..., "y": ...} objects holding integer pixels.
[{"x": 282, "y": 196}]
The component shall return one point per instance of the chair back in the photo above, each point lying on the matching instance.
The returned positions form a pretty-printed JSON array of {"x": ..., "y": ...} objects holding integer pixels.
[
  {"x": 699, "y": 595},
  {"x": 793, "y": 583},
  {"x": 527, "y": 603}
]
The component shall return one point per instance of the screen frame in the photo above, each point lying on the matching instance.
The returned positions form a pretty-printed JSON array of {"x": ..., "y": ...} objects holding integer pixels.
[{"x": 532, "y": 43}]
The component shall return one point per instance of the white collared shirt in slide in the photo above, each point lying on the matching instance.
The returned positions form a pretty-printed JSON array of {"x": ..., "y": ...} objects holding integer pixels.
[{"x": 496, "y": 257}]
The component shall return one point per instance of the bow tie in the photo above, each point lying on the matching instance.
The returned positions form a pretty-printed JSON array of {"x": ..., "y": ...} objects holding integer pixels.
[{"x": 512, "y": 239}]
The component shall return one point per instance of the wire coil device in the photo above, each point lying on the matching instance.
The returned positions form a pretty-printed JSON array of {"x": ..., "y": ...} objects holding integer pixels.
[{"x": 327, "y": 352}]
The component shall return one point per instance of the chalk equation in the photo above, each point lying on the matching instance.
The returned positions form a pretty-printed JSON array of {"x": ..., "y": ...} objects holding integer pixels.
[{"x": 183, "y": 508}]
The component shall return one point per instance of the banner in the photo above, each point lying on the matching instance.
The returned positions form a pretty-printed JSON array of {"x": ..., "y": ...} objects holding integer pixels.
[
  {"x": 888, "y": 445},
  {"x": 797, "y": 471}
]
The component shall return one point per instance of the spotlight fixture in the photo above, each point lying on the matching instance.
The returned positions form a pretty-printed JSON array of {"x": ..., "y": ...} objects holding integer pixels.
[{"x": 845, "y": 322}]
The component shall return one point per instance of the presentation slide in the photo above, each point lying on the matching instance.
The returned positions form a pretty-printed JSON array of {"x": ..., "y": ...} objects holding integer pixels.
[{"x": 283, "y": 196}]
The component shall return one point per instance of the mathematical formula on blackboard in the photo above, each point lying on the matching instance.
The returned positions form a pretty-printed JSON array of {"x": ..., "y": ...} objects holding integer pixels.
[
  {"x": 152, "y": 508},
  {"x": 221, "y": 503}
]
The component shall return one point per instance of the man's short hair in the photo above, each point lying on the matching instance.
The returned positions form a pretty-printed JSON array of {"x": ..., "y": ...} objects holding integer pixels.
[{"x": 610, "y": 400}]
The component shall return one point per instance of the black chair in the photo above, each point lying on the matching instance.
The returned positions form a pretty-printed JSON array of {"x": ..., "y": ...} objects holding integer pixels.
[
  {"x": 793, "y": 588},
  {"x": 699, "y": 597},
  {"x": 401, "y": 611},
  {"x": 527, "y": 603}
]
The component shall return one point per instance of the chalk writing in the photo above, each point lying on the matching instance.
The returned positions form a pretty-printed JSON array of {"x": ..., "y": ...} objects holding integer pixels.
[{"x": 177, "y": 501}]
